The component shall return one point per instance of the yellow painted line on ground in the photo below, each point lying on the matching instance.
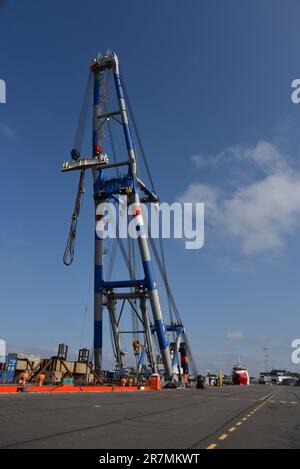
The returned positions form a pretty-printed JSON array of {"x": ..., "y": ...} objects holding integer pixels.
[
  {"x": 232, "y": 429},
  {"x": 270, "y": 394},
  {"x": 293, "y": 402},
  {"x": 282, "y": 402}
]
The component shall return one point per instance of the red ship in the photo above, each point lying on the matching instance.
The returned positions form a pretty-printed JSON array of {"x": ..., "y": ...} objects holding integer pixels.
[{"x": 240, "y": 374}]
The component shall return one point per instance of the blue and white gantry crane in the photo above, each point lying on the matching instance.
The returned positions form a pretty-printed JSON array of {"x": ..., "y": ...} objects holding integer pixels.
[{"x": 138, "y": 291}]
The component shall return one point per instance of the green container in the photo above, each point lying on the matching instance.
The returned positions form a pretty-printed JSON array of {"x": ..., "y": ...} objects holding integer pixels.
[{"x": 67, "y": 380}]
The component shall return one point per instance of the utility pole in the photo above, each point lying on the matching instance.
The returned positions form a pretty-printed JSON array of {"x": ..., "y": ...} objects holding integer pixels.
[{"x": 266, "y": 357}]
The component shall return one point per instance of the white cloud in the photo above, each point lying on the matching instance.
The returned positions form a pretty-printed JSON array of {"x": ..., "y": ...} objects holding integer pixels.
[
  {"x": 201, "y": 160},
  {"x": 264, "y": 155},
  {"x": 235, "y": 335},
  {"x": 201, "y": 193},
  {"x": 258, "y": 215}
]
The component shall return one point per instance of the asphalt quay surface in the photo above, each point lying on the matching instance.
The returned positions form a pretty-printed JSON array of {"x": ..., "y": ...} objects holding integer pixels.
[{"x": 257, "y": 416}]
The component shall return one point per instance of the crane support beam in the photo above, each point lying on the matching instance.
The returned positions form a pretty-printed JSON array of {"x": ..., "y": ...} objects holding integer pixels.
[
  {"x": 127, "y": 295},
  {"x": 101, "y": 284},
  {"x": 115, "y": 330},
  {"x": 90, "y": 163},
  {"x": 99, "y": 243}
]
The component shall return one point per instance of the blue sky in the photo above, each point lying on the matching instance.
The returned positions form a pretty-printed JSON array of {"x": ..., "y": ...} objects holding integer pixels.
[{"x": 210, "y": 83}]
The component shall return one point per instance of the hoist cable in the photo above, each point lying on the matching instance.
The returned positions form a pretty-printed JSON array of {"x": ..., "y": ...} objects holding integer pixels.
[
  {"x": 172, "y": 303},
  {"x": 165, "y": 280},
  {"x": 70, "y": 247}
]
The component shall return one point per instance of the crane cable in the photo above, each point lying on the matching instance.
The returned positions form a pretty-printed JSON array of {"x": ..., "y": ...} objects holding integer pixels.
[
  {"x": 173, "y": 304},
  {"x": 165, "y": 281},
  {"x": 160, "y": 260},
  {"x": 86, "y": 306},
  {"x": 164, "y": 268},
  {"x": 70, "y": 247},
  {"x": 134, "y": 124},
  {"x": 83, "y": 114}
]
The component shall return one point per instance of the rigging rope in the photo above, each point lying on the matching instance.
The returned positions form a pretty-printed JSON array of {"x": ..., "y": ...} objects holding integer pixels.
[
  {"x": 83, "y": 114},
  {"x": 113, "y": 147},
  {"x": 70, "y": 247},
  {"x": 165, "y": 280},
  {"x": 160, "y": 259},
  {"x": 173, "y": 304}
]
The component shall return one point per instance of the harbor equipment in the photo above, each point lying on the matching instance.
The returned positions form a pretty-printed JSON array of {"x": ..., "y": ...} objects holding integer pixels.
[{"x": 111, "y": 113}]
